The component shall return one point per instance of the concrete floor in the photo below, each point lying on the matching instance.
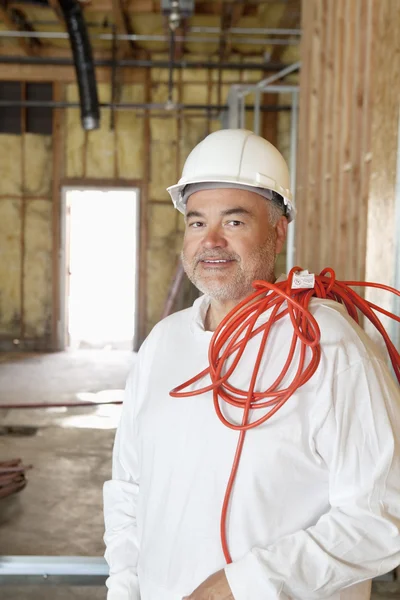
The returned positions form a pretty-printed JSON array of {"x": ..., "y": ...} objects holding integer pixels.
[{"x": 60, "y": 510}]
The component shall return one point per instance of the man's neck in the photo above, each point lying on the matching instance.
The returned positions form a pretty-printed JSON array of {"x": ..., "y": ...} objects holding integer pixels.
[{"x": 217, "y": 311}]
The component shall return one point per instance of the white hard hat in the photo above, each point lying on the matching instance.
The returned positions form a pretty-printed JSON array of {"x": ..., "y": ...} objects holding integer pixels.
[{"x": 239, "y": 157}]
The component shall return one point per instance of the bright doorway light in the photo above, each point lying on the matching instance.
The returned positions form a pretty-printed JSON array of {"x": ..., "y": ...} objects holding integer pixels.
[{"x": 101, "y": 267}]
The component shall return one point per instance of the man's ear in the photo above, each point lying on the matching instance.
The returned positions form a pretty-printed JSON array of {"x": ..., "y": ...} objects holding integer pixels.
[{"x": 281, "y": 233}]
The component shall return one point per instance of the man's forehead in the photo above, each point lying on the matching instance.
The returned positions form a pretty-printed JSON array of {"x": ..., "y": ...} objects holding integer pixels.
[{"x": 220, "y": 198}]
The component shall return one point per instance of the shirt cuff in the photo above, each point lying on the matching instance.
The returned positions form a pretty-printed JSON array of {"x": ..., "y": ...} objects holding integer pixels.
[{"x": 248, "y": 582}]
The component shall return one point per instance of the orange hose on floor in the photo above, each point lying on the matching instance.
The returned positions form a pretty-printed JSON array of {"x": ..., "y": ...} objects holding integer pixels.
[{"x": 237, "y": 328}]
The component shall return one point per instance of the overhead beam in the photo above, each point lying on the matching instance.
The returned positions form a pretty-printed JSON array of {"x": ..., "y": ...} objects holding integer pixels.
[
  {"x": 122, "y": 24},
  {"x": 55, "y": 5},
  {"x": 66, "y": 74},
  {"x": 14, "y": 18},
  {"x": 137, "y": 7}
]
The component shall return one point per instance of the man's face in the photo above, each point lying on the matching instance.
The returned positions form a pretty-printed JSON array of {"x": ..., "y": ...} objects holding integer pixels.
[{"x": 230, "y": 242}]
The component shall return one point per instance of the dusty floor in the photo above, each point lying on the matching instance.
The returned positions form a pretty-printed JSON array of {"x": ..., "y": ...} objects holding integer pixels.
[{"x": 60, "y": 510}]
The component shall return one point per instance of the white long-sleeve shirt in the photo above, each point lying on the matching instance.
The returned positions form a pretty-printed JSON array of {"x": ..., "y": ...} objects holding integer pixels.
[{"x": 315, "y": 511}]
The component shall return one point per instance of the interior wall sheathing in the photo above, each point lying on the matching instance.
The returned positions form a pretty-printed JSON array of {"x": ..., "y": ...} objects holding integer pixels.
[
  {"x": 348, "y": 130},
  {"x": 37, "y": 271},
  {"x": 10, "y": 266},
  {"x": 25, "y": 240}
]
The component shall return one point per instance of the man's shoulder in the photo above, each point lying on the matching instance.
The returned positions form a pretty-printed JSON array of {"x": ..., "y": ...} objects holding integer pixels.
[
  {"x": 338, "y": 329},
  {"x": 178, "y": 322}
]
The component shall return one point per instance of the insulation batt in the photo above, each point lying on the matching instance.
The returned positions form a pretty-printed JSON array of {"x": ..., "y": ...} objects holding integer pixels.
[{"x": 315, "y": 510}]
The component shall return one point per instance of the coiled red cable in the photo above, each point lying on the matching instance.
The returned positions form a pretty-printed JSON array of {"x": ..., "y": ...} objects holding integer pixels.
[{"x": 237, "y": 328}]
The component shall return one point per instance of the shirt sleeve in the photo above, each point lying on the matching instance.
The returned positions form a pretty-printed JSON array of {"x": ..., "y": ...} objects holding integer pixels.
[
  {"x": 120, "y": 503},
  {"x": 359, "y": 537}
]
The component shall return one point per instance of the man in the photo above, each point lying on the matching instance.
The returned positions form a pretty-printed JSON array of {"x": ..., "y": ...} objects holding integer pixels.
[{"x": 315, "y": 510}]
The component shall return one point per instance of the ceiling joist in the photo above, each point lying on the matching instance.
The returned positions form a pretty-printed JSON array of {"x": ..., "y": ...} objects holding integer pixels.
[{"x": 15, "y": 19}]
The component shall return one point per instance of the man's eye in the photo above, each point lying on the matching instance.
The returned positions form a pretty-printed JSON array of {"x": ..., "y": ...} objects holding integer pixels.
[
  {"x": 235, "y": 223},
  {"x": 196, "y": 224}
]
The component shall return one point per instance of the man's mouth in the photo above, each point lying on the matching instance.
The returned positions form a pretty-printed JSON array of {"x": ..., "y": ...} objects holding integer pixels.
[{"x": 215, "y": 261}]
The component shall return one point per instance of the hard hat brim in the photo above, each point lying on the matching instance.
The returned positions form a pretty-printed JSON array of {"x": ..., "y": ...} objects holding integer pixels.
[{"x": 176, "y": 192}]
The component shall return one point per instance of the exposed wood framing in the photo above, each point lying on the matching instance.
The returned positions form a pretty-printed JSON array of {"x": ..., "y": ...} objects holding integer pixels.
[
  {"x": 334, "y": 136},
  {"x": 270, "y": 119},
  {"x": 14, "y": 18},
  {"x": 58, "y": 166},
  {"x": 66, "y": 74},
  {"x": 231, "y": 14},
  {"x": 54, "y": 4},
  {"x": 144, "y": 201},
  {"x": 122, "y": 24}
]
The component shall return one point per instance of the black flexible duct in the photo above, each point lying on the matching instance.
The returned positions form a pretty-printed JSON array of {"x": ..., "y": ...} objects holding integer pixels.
[{"x": 83, "y": 59}]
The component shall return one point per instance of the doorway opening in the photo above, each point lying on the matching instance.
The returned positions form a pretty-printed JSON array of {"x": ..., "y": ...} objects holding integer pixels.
[{"x": 100, "y": 266}]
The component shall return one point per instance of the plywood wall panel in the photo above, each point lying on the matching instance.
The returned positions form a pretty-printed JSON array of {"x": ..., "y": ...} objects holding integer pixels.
[
  {"x": 10, "y": 267},
  {"x": 38, "y": 163},
  {"x": 10, "y": 165},
  {"x": 37, "y": 268},
  {"x": 340, "y": 100},
  {"x": 381, "y": 219}
]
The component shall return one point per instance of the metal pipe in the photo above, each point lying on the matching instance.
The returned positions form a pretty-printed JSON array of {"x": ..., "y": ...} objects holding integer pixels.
[
  {"x": 257, "y": 103},
  {"x": 290, "y": 247},
  {"x": 113, "y": 79},
  {"x": 67, "y": 570},
  {"x": 215, "y": 30},
  {"x": 60, "y": 35},
  {"x": 128, "y": 62},
  {"x": 83, "y": 61},
  {"x": 131, "y": 105},
  {"x": 172, "y": 39},
  {"x": 286, "y": 71},
  {"x": 246, "y": 30}
]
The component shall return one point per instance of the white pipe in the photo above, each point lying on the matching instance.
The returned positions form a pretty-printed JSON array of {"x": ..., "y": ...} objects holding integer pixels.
[{"x": 150, "y": 38}]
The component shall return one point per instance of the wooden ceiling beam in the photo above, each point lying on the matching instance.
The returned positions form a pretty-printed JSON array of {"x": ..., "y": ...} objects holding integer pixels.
[
  {"x": 122, "y": 25},
  {"x": 66, "y": 74},
  {"x": 15, "y": 19},
  {"x": 55, "y": 5}
]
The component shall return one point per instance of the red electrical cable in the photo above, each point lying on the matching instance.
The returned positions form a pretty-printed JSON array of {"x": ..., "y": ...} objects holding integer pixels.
[{"x": 236, "y": 329}]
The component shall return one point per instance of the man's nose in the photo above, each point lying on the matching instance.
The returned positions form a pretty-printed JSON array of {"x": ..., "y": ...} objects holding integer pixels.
[{"x": 214, "y": 238}]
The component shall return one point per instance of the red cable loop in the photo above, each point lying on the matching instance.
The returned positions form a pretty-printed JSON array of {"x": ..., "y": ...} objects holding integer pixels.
[{"x": 237, "y": 329}]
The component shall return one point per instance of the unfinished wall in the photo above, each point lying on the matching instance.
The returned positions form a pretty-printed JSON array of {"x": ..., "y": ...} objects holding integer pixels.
[
  {"x": 25, "y": 241},
  {"x": 151, "y": 148},
  {"x": 138, "y": 147},
  {"x": 348, "y": 137}
]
